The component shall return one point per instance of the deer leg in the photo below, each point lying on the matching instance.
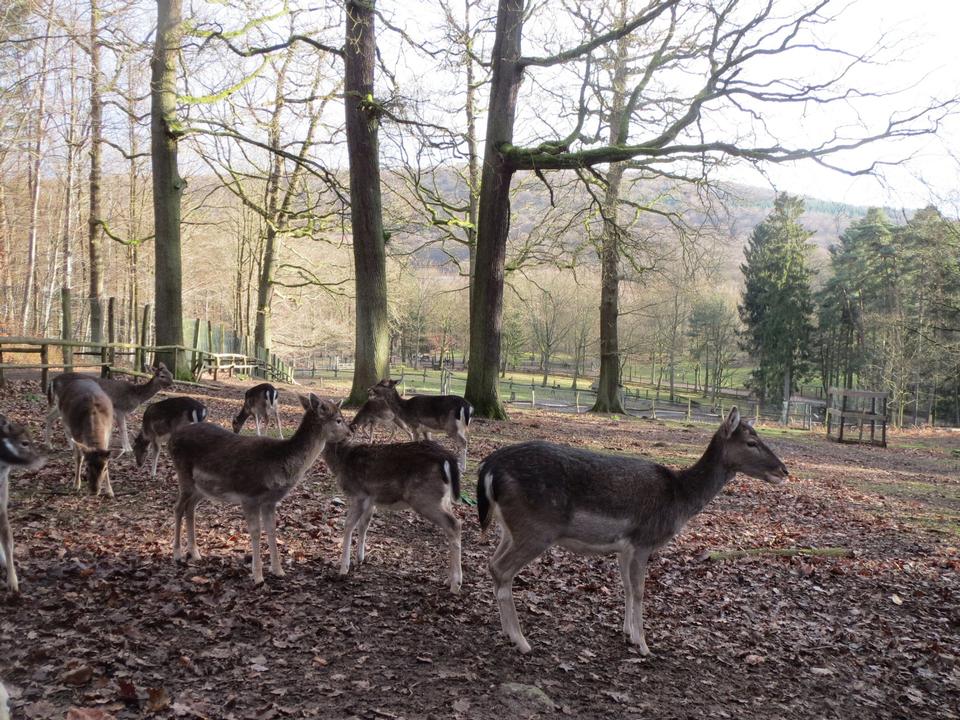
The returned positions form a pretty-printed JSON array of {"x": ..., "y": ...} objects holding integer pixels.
[
  {"x": 192, "y": 549},
  {"x": 353, "y": 517},
  {"x": 105, "y": 485},
  {"x": 256, "y": 419},
  {"x": 178, "y": 511},
  {"x": 626, "y": 559},
  {"x": 78, "y": 458},
  {"x": 511, "y": 561},
  {"x": 253, "y": 525},
  {"x": 364, "y": 523},
  {"x": 276, "y": 416},
  {"x": 124, "y": 437},
  {"x": 53, "y": 412},
  {"x": 156, "y": 457},
  {"x": 638, "y": 574},
  {"x": 461, "y": 438},
  {"x": 269, "y": 516},
  {"x": 444, "y": 519},
  {"x": 6, "y": 539}
]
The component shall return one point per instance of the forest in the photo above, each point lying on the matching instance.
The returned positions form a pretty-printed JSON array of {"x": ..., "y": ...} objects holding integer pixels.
[
  {"x": 266, "y": 197},
  {"x": 504, "y": 283}
]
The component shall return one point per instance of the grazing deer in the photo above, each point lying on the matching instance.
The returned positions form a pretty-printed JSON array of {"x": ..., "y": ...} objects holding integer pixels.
[
  {"x": 375, "y": 411},
  {"x": 126, "y": 397},
  {"x": 592, "y": 503},
  {"x": 87, "y": 415},
  {"x": 421, "y": 415},
  {"x": 161, "y": 419},
  {"x": 421, "y": 475},
  {"x": 260, "y": 401},
  {"x": 253, "y": 472},
  {"x": 16, "y": 450}
]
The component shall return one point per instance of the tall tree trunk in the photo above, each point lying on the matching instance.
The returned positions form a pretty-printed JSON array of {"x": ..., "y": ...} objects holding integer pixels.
[
  {"x": 473, "y": 157},
  {"x": 167, "y": 183},
  {"x": 372, "y": 345},
  {"x": 95, "y": 230},
  {"x": 35, "y": 181},
  {"x": 493, "y": 219},
  {"x": 608, "y": 385}
]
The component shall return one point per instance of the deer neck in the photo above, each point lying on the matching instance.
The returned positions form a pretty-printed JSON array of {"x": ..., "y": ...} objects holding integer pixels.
[
  {"x": 701, "y": 482},
  {"x": 306, "y": 444},
  {"x": 145, "y": 391}
]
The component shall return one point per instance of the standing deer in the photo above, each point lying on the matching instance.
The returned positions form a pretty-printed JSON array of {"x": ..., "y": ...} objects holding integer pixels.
[
  {"x": 421, "y": 475},
  {"x": 16, "y": 450},
  {"x": 253, "y": 472},
  {"x": 421, "y": 415},
  {"x": 260, "y": 401},
  {"x": 592, "y": 503},
  {"x": 126, "y": 397},
  {"x": 87, "y": 415},
  {"x": 161, "y": 419},
  {"x": 375, "y": 411}
]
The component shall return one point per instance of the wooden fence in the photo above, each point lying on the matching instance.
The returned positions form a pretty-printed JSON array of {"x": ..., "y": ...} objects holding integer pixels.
[{"x": 107, "y": 356}]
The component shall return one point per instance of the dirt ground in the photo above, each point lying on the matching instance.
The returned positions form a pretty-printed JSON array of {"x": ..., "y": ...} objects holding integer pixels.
[{"x": 108, "y": 626}]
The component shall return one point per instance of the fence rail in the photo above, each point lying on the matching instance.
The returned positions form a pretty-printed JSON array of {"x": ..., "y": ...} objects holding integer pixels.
[{"x": 264, "y": 364}]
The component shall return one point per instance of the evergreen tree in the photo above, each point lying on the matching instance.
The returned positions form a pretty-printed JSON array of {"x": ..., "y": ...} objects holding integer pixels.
[{"x": 777, "y": 301}]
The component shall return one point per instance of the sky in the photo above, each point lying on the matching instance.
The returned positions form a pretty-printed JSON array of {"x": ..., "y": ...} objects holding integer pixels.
[{"x": 928, "y": 64}]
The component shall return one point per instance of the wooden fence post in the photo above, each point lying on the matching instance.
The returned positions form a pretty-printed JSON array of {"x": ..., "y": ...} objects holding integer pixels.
[
  {"x": 45, "y": 371},
  {"x": 195, "y": 366},
  {"x": 66, "y": 328},
  {"x": 112, "y": 329},
  {"x": 144, "y": 336}
]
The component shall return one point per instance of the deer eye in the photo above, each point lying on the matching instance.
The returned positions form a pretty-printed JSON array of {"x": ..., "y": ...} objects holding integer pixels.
[{"x": 751, "y": 443}]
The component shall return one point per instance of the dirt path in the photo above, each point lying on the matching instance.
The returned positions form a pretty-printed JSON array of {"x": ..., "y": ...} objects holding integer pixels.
[{"x": 106, "y": 622}]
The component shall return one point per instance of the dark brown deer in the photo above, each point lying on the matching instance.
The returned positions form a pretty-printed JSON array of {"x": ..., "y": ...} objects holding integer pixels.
[
  {"x": 159, "y": 420},
  {"x": 591, "y": 503},
  {"x": 87, "y": 414},
  {"x": 420, "y": 475},
  {"x": 261, "y": 401},
  {"x": 125, "y": 397},
  {"x": 255, "y": 473},
  {"x": 375, "y": 411},
  {"x": 422, "y": 415},
  {"x": 16, "y": 450}
]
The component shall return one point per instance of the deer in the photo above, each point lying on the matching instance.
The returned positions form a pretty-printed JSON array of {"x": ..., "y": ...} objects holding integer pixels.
[
  {"x": 16, "y": 450},
  {"x": 422, "y": 415},
  {"x": 593, "y": 503},
  {"x": 423, "y": 476},
  {"x": 87, "y": 414},
  {"x": 161, "y": 419},
  {"x": 374, "y": 411},
  {"x": 255, "y": 473},
  {"x": 260, "y": 401},
  {"x": 126, "y": 397}
]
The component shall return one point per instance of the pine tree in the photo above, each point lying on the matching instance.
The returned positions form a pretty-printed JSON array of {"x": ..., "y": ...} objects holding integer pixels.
[{"x": 777, "y": 302}]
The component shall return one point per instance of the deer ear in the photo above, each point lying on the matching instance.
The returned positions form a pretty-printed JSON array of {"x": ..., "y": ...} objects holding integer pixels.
[
  {"x": 305, "y": 401},
  {"x": 392, "y": 383},
  {"x": 732, "y": 422}
]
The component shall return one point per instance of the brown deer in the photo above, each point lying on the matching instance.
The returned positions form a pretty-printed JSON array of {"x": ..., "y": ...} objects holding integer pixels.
[
  {"x": 159, "y": 420},
  {"x": 592, "y": 503},
  {"x": 87, "y": 415},
  {"x": 126, "y": 397},
  {"x": 253, "y": 472},
  {"x": 261, "y": 401},
  {"x": 375, "y": 411},
  {"x": 16, "y": 450},
  {"x": 422, "y": 415},
  {"x": 423, "y": 476}
]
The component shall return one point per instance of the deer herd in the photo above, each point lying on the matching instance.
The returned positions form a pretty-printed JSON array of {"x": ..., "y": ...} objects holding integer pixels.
[{"x": 542, "y": 494}]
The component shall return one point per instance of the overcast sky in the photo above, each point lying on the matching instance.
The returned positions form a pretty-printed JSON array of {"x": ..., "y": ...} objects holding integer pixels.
[{"x": 929, "y": 65}]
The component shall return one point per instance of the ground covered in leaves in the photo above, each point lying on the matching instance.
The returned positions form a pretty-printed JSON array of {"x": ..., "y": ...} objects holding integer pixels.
[{"x": 108, "y": 626}]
